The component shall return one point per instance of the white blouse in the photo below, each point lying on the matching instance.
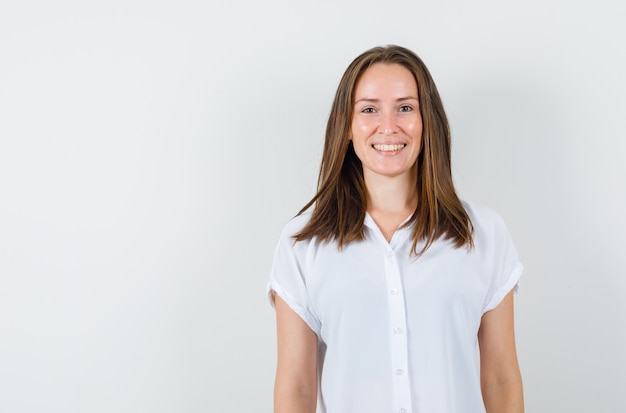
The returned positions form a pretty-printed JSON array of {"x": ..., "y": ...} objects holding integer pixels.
[{"x": 397, "y": 334}]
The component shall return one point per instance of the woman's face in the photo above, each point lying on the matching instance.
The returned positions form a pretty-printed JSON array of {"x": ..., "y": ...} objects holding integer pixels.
[{"x": 386, "y": 124}]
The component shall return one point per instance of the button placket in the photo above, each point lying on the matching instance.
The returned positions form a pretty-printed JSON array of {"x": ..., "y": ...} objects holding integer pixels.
[{"x": 398, "y": 340}]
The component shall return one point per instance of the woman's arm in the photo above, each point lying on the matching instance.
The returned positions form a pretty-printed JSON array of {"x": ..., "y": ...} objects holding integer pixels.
[
  {"x": 500, "y": 376},
  {"x": 295, "y": 389}
]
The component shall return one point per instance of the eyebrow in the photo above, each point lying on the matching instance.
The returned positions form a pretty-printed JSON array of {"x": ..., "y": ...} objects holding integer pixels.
[{"x": 378, "y": 100}]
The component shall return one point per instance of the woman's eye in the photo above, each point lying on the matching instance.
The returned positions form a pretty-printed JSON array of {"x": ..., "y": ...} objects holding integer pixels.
[
  {"x": 368, "y": 110},
  {"x": 405, "y": 108}
]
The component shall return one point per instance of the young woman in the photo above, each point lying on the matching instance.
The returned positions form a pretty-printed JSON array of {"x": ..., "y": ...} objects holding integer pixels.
[{"x": 385, "y": 282}]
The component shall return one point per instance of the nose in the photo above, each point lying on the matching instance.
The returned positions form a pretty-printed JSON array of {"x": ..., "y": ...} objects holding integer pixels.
[{"x": 388, "y": 123}]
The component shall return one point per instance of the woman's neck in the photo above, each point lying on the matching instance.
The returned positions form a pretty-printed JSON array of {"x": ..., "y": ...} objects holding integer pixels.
[
  {"x": 391, "y": 194},
  {"x": 390, "y": 200}
]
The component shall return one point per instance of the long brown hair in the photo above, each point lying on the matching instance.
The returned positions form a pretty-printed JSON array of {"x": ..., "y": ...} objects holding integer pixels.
[{"x": 341, "y": 198}]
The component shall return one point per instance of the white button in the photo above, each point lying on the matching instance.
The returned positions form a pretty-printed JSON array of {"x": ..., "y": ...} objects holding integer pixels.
[
  {"x": 394, "y": 291},
  {"x": 399, "y": 372},
  {"x": 389, "y": 253},
  {"x": 397, "y": 330},
  {"x": 402, "y": 410}
]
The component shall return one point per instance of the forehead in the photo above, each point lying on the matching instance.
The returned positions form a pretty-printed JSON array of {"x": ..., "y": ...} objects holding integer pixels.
[{"x": 386, "y": 79}]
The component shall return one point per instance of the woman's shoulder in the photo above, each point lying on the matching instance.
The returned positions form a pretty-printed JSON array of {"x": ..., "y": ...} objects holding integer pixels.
[
  {"x": 295, "y": 224},
  {"x": 485, "y": 220}
]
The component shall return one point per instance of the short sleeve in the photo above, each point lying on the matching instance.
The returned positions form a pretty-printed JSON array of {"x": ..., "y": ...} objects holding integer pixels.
[
  {"x": 511, "y": 283},
  {"x": 288, "y": 276},
  {"x": 501, "y": 261}
]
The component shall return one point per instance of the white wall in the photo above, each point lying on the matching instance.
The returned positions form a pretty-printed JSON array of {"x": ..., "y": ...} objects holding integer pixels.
[{"x": 150, "y": 153}]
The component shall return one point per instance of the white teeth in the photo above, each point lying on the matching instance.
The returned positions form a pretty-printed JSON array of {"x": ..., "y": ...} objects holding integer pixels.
[{"x": 388, "y": 148}]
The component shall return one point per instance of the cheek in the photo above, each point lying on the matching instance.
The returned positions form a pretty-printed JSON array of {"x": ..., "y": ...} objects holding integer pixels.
[
  {"x": 363, "y": 125},
  {"x": 415, "y": 128},
  {"x": 365, "y": 128}
]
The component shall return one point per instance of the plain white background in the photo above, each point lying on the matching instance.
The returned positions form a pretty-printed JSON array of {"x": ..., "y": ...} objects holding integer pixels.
[{"x": 150, "y": 153}]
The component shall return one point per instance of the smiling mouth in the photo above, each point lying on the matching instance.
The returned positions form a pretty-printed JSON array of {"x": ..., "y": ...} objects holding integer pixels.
[{"x": 388, "y": 148}]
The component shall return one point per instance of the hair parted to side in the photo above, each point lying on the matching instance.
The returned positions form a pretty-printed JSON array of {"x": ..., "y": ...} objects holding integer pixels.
[{"x": 340, "y": 203}]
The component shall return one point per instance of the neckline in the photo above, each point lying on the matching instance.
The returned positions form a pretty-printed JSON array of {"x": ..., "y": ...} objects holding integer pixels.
[{"x": 399, "y": 235}]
